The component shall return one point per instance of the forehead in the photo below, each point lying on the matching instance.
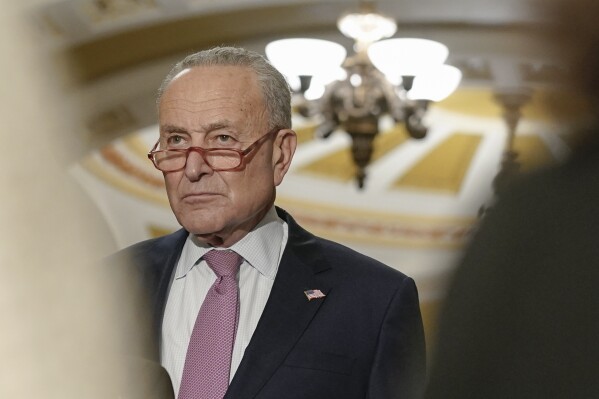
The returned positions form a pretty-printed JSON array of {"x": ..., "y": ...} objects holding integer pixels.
[
  {"x": 207, "y": 95},
  {"x": 205, "y": 83}
]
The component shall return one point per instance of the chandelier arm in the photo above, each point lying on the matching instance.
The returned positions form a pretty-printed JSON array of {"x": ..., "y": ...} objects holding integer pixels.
[
  {"x": 394, "y": 102},
  {"x": 414, "y": 115},
  {"x": 326, "y": 109},
  {"x": 325, "y": 129}
]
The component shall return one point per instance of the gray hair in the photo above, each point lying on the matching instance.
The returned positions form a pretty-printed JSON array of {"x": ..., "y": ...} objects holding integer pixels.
[{"x": 275, "y": 89}]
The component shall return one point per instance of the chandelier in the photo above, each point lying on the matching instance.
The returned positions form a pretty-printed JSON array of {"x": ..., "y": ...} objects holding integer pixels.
[{"x": 398, "y": 77}]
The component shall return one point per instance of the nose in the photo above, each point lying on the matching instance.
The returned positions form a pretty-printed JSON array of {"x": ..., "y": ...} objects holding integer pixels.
[{"x": 196, "y": 166}]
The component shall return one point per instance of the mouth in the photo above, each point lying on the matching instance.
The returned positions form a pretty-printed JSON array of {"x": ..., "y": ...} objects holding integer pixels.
[{"x": 199, "y": 197}]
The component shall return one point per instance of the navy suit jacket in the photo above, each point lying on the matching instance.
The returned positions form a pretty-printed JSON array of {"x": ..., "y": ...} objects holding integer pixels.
[{"x": 363, "y": 340}]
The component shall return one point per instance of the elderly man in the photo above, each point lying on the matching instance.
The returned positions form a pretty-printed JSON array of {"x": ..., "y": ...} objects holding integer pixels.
[{"x": 246, "y": 303}]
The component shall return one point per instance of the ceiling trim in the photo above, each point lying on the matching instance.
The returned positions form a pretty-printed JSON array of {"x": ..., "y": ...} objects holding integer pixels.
[{"x": 109, "y": 54}]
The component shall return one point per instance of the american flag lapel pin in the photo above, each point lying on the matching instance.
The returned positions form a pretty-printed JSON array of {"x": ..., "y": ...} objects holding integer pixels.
[{"x": 314, "y": 294}]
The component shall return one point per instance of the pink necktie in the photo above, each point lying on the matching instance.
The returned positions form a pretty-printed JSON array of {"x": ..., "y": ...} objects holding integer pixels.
[{"x": 208, "y": 360}]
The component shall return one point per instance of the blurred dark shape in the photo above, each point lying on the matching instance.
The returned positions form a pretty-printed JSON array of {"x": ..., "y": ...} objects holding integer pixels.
[
  {"x": 574, "y": 34},
  {"x": 143, "y": 377},
  {"x": 520, "y": 319},
  {"x": 521, "y": 316}
]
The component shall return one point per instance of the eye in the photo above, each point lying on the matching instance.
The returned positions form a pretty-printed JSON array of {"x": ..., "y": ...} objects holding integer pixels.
[
  {"x": 224, "y": 138},
  {"x": 175, "y": 140}
]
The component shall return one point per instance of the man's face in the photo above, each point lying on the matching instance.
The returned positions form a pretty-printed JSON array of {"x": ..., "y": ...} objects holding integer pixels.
[{"x": 221, "y": 107}]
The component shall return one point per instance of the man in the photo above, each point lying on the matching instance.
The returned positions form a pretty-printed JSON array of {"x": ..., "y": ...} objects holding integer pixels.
[{"x": 313, "y": 318}]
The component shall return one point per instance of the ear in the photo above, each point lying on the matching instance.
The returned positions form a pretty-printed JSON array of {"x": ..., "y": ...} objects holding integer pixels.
[{"x": 283, "y": 150}]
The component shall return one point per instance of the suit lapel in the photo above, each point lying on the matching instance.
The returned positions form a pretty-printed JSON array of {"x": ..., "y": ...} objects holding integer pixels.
[
  {"x": 163, "y": 259},
  {"x": 287, "y": 313}
]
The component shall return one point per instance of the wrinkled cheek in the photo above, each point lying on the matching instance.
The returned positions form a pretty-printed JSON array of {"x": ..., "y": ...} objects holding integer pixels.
[
  {"x": 171, "y": 188},
  {"x": 192, "y": 220},
  {"x": 175, "y": 205},
  {"x": 180, "y": 214}
]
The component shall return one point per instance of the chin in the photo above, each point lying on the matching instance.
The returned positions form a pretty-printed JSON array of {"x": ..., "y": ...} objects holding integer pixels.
[
  {"x": 201, "y": 229},
  {"x": 199, "y": 222}
]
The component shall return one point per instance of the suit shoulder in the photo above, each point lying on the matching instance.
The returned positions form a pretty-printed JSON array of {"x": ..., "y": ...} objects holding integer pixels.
[
  {"x": 149, "y": 248},
  {"x": 346, "y": 261},
  {"x": 357, "y": 264}
]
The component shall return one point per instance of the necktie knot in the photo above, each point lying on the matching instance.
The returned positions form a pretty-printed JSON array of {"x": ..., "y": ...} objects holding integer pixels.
[{"x": 223, "y": 263}]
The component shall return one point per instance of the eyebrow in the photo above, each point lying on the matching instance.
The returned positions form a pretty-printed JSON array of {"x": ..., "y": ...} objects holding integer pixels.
[
  {"x": 172, "y": 128},
  {"x": 222, "y": 124}
]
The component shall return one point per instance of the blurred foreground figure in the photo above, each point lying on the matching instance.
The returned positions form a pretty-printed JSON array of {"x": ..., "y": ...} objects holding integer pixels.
[
  {"x": 59, "y": 338},
  {"x": 521, "y": 318}
]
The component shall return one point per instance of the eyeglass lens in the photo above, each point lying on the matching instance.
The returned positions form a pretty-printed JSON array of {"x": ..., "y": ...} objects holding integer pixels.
[{"x": 170, "y": 160}]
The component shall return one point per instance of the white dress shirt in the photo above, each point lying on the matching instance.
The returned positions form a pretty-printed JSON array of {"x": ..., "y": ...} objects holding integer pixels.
[{"x": 261, "y": 249}]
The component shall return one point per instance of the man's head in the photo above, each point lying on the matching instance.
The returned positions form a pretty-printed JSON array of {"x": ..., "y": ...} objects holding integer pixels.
[
  {"x": 225, "y": 98},
  {"x": 275, "y": 88}
]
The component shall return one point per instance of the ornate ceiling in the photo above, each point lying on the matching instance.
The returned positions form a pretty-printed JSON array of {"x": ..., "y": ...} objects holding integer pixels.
[
  {"x": 422, "y": 197},
  {"x": 119, "y": 49}
]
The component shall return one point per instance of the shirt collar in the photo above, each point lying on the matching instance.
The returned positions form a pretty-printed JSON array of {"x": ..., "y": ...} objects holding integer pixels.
[{"x": 261, "y": 248}]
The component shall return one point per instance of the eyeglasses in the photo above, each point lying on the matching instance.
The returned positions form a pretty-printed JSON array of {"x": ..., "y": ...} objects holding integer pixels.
[{"x": 218, "y": 159}]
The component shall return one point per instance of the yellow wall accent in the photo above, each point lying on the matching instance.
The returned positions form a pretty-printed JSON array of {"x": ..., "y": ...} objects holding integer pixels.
[
  {"x": 471, "y": 101},
  {"x": 339, "y": 165},
  {"x": 137, "y": 146},
  {"x": 430, "y": 311},
  {"x": 444, "y": 168},
  {"x": 157, "y": 231},
  {"x": 556, "y": 105},
  {"x": 305, "y": 133},
  {"x": 338, "y": 210},
  {"x": 545, "y": 104},
  {"x": 532, "y": 152}
]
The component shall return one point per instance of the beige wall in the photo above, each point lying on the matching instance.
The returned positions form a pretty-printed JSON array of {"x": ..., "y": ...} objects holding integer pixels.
[{"x": 56, "y": 332}]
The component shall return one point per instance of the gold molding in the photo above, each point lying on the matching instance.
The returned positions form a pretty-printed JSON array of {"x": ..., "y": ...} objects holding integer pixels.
[
  {"x": 97, "y": 169},
  {"x": 380, "y": 228},
  {"x": 369, "y": 214}
]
